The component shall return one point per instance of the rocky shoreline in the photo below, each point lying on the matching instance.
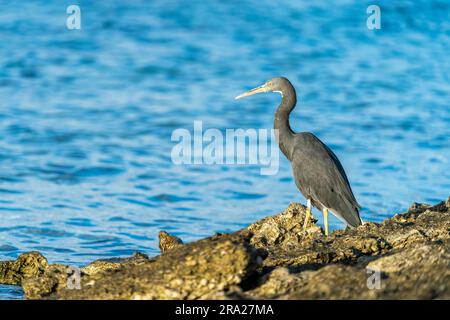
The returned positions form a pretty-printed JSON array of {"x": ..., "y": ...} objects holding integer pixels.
[{"x": 404, "y": 257}]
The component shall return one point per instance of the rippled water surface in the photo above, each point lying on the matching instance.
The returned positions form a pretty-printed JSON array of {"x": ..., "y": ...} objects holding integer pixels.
[{"x": 86, "y": 116}]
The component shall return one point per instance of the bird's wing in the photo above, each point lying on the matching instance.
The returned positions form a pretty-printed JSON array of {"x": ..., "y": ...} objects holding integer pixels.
[
  {"x": 344, "y": 180},
  {"x": 318, "y": 171}
]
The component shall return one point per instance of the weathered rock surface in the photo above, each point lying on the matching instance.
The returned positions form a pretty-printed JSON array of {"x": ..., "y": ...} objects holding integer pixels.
[
  {"x": 168, "y": 241},
  {"x": 27, "y": 265},
  {"x": 190, "y": 272},
  {"x": 405, "y": 257}
]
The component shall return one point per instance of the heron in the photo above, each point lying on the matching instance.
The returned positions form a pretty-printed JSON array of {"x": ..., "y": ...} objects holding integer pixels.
[{"x": 318, "y": 173}]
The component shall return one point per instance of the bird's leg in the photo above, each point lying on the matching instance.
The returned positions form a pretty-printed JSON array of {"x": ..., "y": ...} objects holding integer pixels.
[
  {"x": 325, "y": 220},
  {"x": 308, "y": 214}
]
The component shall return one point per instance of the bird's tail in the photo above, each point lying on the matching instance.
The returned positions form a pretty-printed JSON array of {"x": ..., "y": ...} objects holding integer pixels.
[
  {"x": 350, "y": 214},
  {"x": 358, "y": 221}
]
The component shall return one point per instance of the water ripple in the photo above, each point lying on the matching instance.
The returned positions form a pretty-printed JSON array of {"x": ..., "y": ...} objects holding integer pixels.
[{"x": 86, "y": 117}]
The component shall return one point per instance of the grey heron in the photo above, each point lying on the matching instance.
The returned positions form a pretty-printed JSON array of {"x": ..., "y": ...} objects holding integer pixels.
[{"x": 317, "y": 171}]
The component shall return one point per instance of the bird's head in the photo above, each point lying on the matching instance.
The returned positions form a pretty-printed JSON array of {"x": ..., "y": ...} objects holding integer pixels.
[{"x": 279, "y": 85}]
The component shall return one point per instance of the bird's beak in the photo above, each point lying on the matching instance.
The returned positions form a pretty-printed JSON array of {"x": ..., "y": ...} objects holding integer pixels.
[{"x": 259, "y": 89}]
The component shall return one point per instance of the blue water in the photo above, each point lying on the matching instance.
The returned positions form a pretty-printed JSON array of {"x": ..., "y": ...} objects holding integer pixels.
[{"x": 86, "y": 115}]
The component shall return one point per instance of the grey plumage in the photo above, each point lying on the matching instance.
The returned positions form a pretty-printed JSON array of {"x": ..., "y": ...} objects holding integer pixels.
[
  {"x": 320, "y": 177},
  {"x": 317, "y": 171}
]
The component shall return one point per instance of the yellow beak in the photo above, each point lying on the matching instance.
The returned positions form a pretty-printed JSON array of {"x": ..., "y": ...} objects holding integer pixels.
[{"x": 259, "y": 89}]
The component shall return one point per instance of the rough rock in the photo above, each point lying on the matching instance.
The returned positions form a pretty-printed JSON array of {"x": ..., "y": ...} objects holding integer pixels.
[
  {"x": 405, "y": 257},
  {"x": 168, "y": 241},
  {"x": 27, "y": 265},
  {"x": 55, "y": 277},
  {"x": 190, "y": 272},
  {"x": 105, "y": 265}
]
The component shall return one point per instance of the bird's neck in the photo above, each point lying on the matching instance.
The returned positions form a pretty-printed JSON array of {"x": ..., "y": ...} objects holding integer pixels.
[{"x": 281, "y": 123}]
